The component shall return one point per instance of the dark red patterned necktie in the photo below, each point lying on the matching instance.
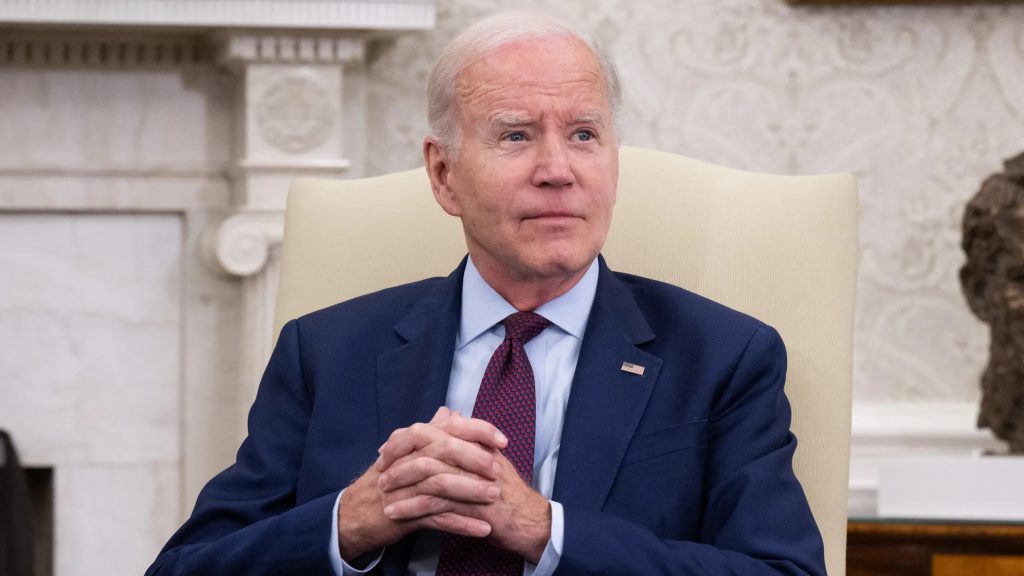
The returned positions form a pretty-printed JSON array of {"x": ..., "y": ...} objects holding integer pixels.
[{"x": 507, "y": 399}]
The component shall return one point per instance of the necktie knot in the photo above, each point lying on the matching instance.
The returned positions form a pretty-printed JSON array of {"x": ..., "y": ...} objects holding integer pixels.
[{"x": 524, "y": 326}]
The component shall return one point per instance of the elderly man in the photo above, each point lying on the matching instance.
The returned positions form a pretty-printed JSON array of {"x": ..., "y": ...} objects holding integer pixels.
[{"x": 532, "y": 413}]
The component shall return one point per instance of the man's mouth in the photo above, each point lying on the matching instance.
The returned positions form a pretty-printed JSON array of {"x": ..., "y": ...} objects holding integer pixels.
[{"x": 554, "y": 215}]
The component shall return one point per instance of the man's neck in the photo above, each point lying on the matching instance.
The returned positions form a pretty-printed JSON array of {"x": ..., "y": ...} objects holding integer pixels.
[{"x": 529, "y": 293}]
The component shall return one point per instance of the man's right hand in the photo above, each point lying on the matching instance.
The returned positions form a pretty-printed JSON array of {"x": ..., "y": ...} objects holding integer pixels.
[{"x": 457, "y": 457}]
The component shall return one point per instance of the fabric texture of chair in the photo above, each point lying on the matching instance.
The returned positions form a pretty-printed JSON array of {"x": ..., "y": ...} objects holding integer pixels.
[{"x": 780, "y": 248}]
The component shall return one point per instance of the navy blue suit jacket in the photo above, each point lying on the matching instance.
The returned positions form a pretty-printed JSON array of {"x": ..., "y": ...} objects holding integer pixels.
[{"x": 684, "y": 470}]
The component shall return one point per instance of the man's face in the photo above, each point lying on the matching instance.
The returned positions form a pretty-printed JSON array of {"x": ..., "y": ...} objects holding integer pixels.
[{"x": 535, "y": 181}]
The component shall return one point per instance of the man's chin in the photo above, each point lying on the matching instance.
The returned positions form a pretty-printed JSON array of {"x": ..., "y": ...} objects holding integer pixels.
[{"x": 567, "y": 267}]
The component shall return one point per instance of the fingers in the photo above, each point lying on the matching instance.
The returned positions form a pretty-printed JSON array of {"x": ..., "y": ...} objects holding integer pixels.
[
  {"x": 422, "y": 508},
  {"x": 457, "y": 524},
  {"x": 405, "y": 441},
  {"x": 422, "y": 475},
  {"x": 474, "y": 430},
  {"x": 454, "y": 487},
  {"x": 456, "y": 440},
  {"x": 416, "y": 468},
  {"x": 442, "y": 414},
  {"x": 450, "y": 455}
]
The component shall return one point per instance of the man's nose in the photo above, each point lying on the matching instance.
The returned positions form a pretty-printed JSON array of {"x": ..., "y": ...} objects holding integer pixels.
[{"x": 553, "y": 164}]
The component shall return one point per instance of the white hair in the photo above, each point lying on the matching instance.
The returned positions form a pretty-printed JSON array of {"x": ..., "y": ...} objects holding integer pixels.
[{"x": 483, "y": 38}]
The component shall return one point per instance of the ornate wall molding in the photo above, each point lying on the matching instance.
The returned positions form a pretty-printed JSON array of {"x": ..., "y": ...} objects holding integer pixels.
[
  {"x": 244, "y": 241},
  {"x": 129, "y": 43},
  {"x": 292, "y": 110},
  {"x": 106, "y": 51},
  {"x": 294, "y": 114},
  {"x": 277, "y": 14},
  {"x": 239, "y": 47}
]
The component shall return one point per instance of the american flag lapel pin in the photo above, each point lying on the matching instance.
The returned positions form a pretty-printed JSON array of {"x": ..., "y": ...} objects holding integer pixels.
[{"x": 633, "y": 368}]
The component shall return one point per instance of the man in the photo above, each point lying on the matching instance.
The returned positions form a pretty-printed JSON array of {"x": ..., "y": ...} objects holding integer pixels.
[{"x": 532, "y": 413}]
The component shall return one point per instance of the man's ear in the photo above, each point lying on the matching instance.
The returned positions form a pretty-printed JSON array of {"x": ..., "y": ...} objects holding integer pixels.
[{"x": 439, "y": 170}]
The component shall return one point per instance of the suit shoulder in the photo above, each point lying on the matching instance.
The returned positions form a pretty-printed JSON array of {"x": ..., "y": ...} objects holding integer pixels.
[{"x": 381, "y": 308}]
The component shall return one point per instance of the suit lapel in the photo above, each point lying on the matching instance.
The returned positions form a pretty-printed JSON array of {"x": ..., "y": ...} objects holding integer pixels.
[
  {"x": 606, "y": 403},
  {"x": 412, "y": 380}
]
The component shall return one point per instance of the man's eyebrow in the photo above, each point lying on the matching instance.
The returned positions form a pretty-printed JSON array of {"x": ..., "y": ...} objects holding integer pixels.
[
  {"x": 589, "y": 118},
  {"x": 504, "y": 121},
  {"x": 507, "y": 120}
]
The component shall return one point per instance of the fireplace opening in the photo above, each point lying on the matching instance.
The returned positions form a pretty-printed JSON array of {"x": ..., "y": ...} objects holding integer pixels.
[
  {"x": 26, "y": 514},
  {"x": 40, "y": 489}
]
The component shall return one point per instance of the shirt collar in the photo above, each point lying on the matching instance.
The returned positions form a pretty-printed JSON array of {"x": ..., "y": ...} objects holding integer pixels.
[{"x": 483, "y": 307}]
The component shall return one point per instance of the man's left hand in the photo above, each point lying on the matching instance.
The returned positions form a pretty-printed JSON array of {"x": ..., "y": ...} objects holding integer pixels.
[{"x": 520, "y": 518}]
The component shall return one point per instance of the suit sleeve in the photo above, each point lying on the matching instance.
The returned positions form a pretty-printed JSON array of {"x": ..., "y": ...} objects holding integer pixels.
[
  {"x": 246, "y": 520},
  {"x": 756, "y": 520}
]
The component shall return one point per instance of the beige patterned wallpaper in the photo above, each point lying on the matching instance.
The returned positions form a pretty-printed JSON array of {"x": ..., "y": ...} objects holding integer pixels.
[{"x": 919, "y": 102}]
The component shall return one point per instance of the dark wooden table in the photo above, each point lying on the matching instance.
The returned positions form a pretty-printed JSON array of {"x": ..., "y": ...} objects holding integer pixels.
[{"x": 884, "y": 547}]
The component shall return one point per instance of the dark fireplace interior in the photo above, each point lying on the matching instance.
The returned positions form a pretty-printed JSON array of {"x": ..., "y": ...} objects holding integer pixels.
[{"x": 40, "y": 487}]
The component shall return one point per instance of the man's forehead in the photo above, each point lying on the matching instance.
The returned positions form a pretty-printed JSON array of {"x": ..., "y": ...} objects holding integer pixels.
[{"x": 509, "y": 85}]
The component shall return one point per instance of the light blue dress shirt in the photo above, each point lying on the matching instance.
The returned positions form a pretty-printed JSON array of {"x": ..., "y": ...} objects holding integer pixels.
[{"x": 553, "y": 355}]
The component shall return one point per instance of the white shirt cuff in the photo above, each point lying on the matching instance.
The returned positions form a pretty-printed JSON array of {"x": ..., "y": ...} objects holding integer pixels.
[
  {"x": 342, "y": 568},
  {"x": 553, "y": 551}
]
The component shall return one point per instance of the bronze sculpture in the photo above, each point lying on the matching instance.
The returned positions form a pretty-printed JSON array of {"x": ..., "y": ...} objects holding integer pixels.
[{"x": 993, "y": 283}]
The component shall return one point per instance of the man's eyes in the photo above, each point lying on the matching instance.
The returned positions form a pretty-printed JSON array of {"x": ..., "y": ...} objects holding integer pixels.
[{"x": 584, "y": 135}]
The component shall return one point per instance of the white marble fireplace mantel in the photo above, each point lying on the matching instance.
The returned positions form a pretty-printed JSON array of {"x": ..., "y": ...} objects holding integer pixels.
[
  {"x": 145, "y": 155},
  {"x": 372, "y": 15}
]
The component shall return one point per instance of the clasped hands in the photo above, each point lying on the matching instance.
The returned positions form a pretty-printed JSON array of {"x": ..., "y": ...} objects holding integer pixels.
[{"x": 447, "y": 475}]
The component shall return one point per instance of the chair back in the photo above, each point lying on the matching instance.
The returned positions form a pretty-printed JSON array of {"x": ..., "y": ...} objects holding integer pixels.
[{"x": 780, "y": 248}]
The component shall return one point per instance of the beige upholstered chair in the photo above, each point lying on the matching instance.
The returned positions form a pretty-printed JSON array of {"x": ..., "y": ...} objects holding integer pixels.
[{"x": 781, "y": 248}]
